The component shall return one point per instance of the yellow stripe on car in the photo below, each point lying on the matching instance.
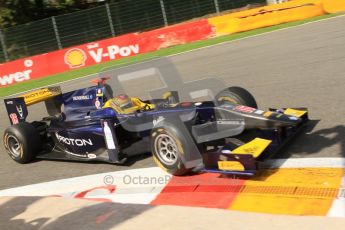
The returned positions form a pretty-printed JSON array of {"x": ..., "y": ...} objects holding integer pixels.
[
  {"x": 254, "y": 147},
  {"x": 230, "y": 165},
  {"x": 295, "y": 112}
]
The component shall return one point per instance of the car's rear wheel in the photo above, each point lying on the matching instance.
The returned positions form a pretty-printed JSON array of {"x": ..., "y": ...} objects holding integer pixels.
[
  {"x": 167, "y": 147},
  {"x": 237, "y": 95},
  {"x": 22, "y": 142}
]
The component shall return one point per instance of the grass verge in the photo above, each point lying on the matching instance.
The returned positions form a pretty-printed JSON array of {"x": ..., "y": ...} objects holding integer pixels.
[{"x": 74, "y": 74}]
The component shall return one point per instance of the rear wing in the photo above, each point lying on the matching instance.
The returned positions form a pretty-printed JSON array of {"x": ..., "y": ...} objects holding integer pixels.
[{"x": 17, "y": 108}]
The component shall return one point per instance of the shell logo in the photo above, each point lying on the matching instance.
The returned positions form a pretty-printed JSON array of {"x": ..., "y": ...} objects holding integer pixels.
[{"x": 75, "y": 58}]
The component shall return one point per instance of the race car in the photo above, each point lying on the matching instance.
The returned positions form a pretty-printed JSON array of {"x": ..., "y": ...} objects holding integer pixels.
[{"x": 227, "y": 135}]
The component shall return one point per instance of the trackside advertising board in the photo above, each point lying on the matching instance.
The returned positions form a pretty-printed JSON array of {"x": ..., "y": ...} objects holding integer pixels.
[{"x": 115, "y": 48}]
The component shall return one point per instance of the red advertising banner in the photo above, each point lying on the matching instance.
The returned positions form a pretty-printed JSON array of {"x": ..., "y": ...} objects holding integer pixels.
[{"x": 43, "y": 65}]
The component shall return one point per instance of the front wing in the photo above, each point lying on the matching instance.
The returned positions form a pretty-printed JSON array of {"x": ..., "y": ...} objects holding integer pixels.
[{"x": 243, "y": 160}]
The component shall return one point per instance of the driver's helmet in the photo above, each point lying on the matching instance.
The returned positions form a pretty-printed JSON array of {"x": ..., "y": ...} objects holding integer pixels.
[{"x": 122, "y": 101}]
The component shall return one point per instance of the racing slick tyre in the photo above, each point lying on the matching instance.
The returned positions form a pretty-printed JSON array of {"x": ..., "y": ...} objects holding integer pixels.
[
  {"x": 167, "y": 146},
  {"x": 22, "y": 142},
  {"x": 237, "y": 95}
]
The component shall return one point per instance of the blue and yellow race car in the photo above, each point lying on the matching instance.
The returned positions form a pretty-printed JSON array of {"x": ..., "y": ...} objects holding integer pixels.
[{"x": 228, "y": 135}]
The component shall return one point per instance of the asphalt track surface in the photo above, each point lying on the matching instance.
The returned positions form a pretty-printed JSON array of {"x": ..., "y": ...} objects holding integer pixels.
[{"x": 301, "y": 66}]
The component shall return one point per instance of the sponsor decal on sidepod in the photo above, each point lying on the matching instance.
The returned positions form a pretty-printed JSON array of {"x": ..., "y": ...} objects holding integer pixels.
[{"x": 73, "y": 142}]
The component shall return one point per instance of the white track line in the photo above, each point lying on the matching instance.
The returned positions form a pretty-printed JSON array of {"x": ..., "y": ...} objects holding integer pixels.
[
  {"x": 128, "y": 189},
  {"x": 193, "y": 50},
  {"x": 87, "y": 182}
]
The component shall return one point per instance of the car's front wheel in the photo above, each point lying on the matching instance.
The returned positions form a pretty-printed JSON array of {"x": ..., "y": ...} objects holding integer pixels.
[
  {"x": 237, "y": 95},
  {"x": 168, "y": 145},
  {"x": 22, "y": 142}
]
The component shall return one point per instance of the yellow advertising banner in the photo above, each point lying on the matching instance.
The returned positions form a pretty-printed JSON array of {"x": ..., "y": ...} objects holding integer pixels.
[
  {"x": 267, "y": 16},
  {"x": 334, "y": 6}
]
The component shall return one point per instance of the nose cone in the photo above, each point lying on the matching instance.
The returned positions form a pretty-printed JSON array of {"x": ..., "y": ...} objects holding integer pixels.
[
  {"x": 274, "y": 120},
  {"x": 285, "y": 120}
]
